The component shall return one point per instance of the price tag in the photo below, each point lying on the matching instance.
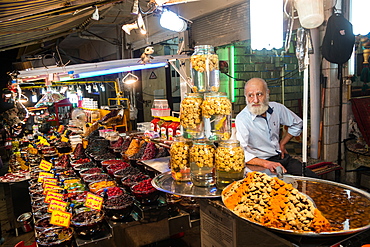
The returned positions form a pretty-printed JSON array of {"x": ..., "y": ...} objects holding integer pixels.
[
  {"x": 56, "y": 205},
  {"x": 50, "y": 195},
  {"x": 51, "y": 187},
  {"x": 53, "y": 181},
  {"x": 60, "y": 218},
  {"x": 43, "y": 175},
  {"x": 71, "y": 181},
  {"x": 45, "y": 165},
  {"x": 93, "y": 201}
]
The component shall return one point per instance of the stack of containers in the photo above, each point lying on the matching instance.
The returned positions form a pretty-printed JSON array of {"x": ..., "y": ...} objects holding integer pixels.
[{"x": 205, "y": 116}]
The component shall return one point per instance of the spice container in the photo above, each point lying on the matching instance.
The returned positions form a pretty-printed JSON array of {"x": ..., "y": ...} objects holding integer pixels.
[
  {"x": 179, "y": 159},
  {"x": 164, "y": 126},
  {"x": 153, "y": 124},
  {"x": 216, "y": 110},
  {"x": 205, "y": 73},
  {"x": 229, "y": 161},
  {"x": 202, "y": 166},
  {"x": 173, "y": 128},
  {"x": 191, "y": 115}
]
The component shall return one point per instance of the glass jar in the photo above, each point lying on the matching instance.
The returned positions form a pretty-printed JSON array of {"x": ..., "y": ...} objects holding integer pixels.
[
  {"x": 229, "y": 161},
  {"x": 202, "y": 166},
  {"x": 205, "y": 71},
  {"x": 216, "y": 110},
  {"x": 180, "y": 159},
  {"x": 191, "y": 115}
]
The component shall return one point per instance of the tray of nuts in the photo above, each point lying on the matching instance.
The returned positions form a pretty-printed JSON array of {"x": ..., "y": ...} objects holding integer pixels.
[{"x": 338, "y": 209}]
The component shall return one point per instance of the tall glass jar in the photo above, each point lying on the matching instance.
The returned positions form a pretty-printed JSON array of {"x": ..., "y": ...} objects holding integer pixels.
[
  {"x": 191, "y": 115},
  {"x": 202, "y": 166},
  {"x": 229, "y": 161},
  {"x": 180, "y": 159},
  {"x": 216, "y": 110},
  {"x": 205, "y": 69}
]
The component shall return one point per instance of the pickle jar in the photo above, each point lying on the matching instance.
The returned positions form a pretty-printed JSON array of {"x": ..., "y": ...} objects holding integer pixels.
[
  {"x": 191, "y": 115},
  {"x": 205, "y": 69},
  {"x": 216, "y": 111},
  {"x": 180, "y": 159},
  {"x": 229, "y": 162},
  {"x": 202, "y": 165}
]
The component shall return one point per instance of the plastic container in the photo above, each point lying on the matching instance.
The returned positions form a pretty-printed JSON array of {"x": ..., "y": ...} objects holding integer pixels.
[
  {"x": 164, "y": 127},
  {"x": 229, "y": 162},
  {"x": 173, "y": 129},
  {"x": 25, "y": 219},
  {"x": 217, "y": 110},
  {"x": 205, "y": 69},
  {"x": 160, "y": 108},
  {"x": 202, "y": 165},
  {"x": 310, "y": 12},
  {"x": 180, "y": 159},
  {"x": 191, "y": 115}
]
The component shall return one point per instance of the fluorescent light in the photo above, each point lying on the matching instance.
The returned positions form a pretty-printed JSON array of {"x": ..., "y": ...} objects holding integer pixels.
[
  {"x": 172, "y": 21},
  {"x": 114, "y": 71},
  {"x": 266, "y": 24},
  {"x": 358, "y": 13},
  {"x": 130, "y": 78}
]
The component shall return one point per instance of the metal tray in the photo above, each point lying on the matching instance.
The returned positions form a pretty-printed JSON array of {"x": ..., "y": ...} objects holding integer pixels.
[
  {"x": 164, "y": 182},
  {"x": 313, "y": 188}
]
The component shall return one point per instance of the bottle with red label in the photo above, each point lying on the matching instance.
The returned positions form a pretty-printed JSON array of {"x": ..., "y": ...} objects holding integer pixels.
[
  {"x": 173, "y": 128},
  {"x": 164, "y": 127},
  {"x": 153, "y": 124}
]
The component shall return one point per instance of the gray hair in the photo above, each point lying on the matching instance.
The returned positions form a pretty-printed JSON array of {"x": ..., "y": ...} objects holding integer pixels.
[{"x": 256, "y": 79}]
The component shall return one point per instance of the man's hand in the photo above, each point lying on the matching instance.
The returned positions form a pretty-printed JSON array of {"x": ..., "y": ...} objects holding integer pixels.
[
  {"x": 271, "y": 165},
  {"x": 283, "y": 150}
]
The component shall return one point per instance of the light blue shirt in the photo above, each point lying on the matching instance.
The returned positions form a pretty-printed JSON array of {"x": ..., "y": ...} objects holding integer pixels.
[{"x": 259, "y": 136}]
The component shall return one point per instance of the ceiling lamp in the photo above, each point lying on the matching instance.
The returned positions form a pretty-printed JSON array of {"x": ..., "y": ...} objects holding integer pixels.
[
  {"x": 266, "y": 24},
  {"x": 130, "y": 79},
  {"x": 310, "y": 12},
  {"x": 172, "y": 21}
]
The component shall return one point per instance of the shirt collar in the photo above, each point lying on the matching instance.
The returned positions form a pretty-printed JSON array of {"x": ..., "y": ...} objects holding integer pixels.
[{"x": 269, "y": 111}]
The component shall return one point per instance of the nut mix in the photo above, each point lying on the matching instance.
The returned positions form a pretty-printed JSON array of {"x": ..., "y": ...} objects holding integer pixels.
[
  {"x": 273, "y": 203},
  {"x": 191, "y": 112},
  {"x": 179, "y": 154},
  {"x": 202, "y": 155},
  {"x": 206, "y": 62},
  {"x": 214, "y": 105},
  {"x": 229, "y": 159}
]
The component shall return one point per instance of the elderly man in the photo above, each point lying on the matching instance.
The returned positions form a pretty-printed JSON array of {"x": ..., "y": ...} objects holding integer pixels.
[{"x": 258, "y": 128}]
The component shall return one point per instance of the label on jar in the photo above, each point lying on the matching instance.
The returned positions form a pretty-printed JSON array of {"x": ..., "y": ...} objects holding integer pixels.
[
  {"x": 170, "y": 134},
  {"x": 164, "y": 133}
]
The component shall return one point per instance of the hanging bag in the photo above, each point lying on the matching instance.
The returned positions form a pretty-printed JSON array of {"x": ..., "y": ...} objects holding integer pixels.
[{"x": 338, "y": 42}]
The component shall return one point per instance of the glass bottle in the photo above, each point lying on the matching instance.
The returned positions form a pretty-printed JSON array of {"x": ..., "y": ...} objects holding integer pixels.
[
  {"x": 216, "y": 111},
  {"x": 179, "y": 159},
  {"x": 191, "y": 115},
  {"x": 205, "y": 69},
  {"x": 202, "y": 165},
  {"x": 229, "y": 161}
]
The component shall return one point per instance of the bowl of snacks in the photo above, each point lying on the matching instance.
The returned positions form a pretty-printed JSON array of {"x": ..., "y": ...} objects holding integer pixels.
[
  {"x": 133, "y": 179},
  {"x": 44, "y": 223},
  {"x": 55, "y": 237},
  {"x": 41, "y": 212},
  {"x": 95, "y": 186},
  {"x": 110, "y": 191},
  {"x": 121, "y": 173},
  {"x": 90, "y": 171},
  {"x": 96, "y": 177},
  {"x": 119, "y": 208},
  {"x": 88, "y": 223},
  {"x": 114, "y": 167},
  {"x": 144, "y": 192},
  {"x": 108, "y": 162}
]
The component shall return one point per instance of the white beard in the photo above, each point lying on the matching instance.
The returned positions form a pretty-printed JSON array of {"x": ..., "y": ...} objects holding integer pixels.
[{"x": 258, "y": 110}]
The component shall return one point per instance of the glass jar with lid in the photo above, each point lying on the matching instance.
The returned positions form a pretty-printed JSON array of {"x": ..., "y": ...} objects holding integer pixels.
[
  {"x": 229, "y": 162},
  {"x": 191, "y": 115},
  {"x": 216, "y": 111},
  {"x": 205, "y": 69},
  {"x": 202, "y": 166},
  {"x": 180, "y": 159}
]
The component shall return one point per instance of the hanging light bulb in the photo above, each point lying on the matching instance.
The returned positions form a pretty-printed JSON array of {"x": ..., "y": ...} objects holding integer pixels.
[
  {"x": 95, "y": 87},
  {"x": 172, "y": 21},
  {"x": 102, "y": 87}
]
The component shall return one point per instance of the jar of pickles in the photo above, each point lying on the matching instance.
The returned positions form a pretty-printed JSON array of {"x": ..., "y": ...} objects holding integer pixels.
[
  {"x": 191, "y": 115},
  {"x": 229, "y": 161},
  {"x": 216, "y": 110},
  {"x": 180, "y": 159},
  {"x": 202, "y": 166},
  {"x": 205, "y": 69}
]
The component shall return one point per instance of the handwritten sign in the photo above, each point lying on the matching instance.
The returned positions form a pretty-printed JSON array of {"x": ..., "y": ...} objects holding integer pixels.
[
  {"x": 93, "y": 201},
  {"x": 60, "y": 218},
  {"x": 45, "y": 165},
  {"x": 57, "y": 205},
  {"x": 72, "y": 181},
  {"x": 50, "y": 195},
  {"x": 43, "y": 175},
  {"x": 51, "y": 187}
]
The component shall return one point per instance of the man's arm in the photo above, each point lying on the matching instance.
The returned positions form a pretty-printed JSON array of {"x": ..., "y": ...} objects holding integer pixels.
[
  {"x": 283, "y": 142},
  {"x": 271, "y": 165}
]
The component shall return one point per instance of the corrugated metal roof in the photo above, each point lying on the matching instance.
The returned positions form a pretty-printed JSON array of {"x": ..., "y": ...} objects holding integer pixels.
[{"x": 23, "y": 23}]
